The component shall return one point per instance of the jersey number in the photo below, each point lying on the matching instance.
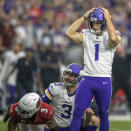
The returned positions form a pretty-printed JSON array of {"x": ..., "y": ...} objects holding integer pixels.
[
  {"x": 67, "y": 111},
  {"x": 96, "y": 52}
]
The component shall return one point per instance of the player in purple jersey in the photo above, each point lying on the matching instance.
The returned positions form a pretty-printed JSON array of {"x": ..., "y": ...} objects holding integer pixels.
[{"x": 99, "y": 42}]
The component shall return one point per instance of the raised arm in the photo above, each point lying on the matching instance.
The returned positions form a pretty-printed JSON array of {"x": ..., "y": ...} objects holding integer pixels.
[
  {"x": 114, "y": 38},
  {"x": 72, "y": 31}
]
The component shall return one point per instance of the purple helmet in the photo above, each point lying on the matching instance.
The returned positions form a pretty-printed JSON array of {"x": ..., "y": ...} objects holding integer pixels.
[
  {"x": 73, "y": 69},
  {"x": 97, "y": 16}
]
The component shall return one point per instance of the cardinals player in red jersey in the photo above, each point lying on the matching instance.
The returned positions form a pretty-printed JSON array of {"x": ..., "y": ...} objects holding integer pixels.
[{"x": 29, "y": 114}]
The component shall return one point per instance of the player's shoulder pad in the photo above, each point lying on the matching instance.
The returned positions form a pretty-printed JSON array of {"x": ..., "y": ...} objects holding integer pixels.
[
  {"x": 53, "y": 90},
  {"x": 55, "y": 85}
]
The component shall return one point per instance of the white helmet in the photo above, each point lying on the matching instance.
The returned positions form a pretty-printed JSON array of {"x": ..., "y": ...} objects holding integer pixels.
[{"x": 28, "y": 105}]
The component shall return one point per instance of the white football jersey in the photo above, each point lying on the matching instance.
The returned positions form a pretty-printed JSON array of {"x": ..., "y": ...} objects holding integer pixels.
[
  {"x": 98, "y": 54},
  {"x": 11, "y": 59},
  {"x": 62, "y": 104}
]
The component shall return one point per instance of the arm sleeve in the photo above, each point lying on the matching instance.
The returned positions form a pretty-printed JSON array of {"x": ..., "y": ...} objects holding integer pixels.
[
  {"x": 45, "y": 99},
  {"x": 47, "y": 112},
  {"x": 51, "y": 113}
]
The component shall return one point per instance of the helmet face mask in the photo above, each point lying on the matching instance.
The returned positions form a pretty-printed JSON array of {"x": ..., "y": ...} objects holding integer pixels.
[
  {"x": 28, "y": 105},
  {"x": 71, "y": 75},
  {"x": 96, "y": 17},
  {"x": 68, "y": 79},
  {"x": 24, "y": 114}
]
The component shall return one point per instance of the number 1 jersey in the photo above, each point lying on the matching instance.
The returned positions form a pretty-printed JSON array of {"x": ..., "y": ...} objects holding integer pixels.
[{"x": 98, "y": 54}]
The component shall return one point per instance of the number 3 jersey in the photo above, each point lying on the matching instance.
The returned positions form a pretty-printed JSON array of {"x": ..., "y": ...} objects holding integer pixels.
[
  {"x": 62, "y": 104},
  {"x": 44, "y": 114},
  {"x": 98, "y": 54}
]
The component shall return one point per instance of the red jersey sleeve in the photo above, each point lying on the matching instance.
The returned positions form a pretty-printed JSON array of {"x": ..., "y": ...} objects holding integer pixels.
[
  {"x": 50, "y": 111},
  {"x": 12, "y": 112},
  {"x": 45, "y": 113}
]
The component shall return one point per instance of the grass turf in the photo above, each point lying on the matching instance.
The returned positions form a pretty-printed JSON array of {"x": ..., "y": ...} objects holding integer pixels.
[{"x": 120, "y": 126}]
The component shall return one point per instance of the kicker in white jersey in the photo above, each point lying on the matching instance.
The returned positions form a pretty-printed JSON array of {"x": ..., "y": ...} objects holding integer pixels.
[
  {"x": 98, "y": 60},
  {"x": 62, "y": 103}
]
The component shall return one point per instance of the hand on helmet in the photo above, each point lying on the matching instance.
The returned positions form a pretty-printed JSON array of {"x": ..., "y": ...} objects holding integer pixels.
[
  {"x": 106, "y": 13},
  {"x": 88, "y": 12}
]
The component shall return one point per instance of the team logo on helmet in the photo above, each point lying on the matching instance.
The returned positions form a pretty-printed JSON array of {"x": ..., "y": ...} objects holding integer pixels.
[{"x": 28, "y": 105}]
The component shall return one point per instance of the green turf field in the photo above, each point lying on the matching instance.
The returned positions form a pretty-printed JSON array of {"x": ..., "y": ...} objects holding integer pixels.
[
  {"x": 3, "y": 126},
  {"x": 120, "y": 126},
  {"x": 114, "y": 126}
]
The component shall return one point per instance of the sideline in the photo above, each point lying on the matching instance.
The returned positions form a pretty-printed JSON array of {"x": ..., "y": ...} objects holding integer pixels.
[{"x": 126, "y": 117}]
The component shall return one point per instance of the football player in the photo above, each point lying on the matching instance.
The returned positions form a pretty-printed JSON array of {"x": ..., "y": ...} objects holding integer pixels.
[
  {"x": 61, "y": 97},
  {"x": 99, "y": 42},
  {"x": 10, "y": 59},
  {"x": 31, "y": 113}
]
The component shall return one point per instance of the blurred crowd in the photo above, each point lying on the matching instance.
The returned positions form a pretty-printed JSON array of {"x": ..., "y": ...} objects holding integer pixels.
[{"x": 33, "y": 41}]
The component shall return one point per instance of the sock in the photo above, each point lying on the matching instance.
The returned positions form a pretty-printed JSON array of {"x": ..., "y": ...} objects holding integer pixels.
[{"x": 45, "y": 129}]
